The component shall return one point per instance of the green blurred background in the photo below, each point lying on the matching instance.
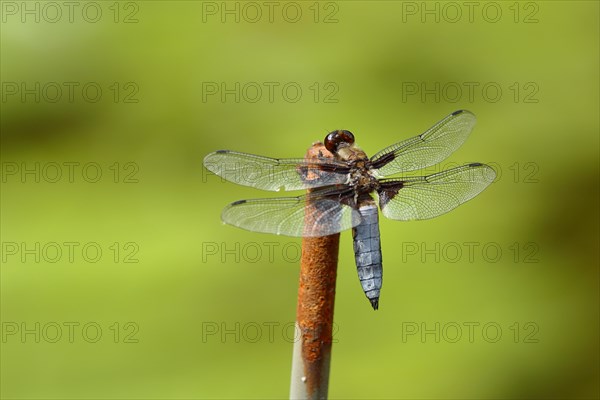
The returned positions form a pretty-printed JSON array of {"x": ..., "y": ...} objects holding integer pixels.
[{"x": 190, "y": 308}]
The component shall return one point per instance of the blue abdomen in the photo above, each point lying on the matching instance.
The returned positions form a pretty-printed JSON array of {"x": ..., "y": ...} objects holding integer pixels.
[{"x": 367, "y": 253}]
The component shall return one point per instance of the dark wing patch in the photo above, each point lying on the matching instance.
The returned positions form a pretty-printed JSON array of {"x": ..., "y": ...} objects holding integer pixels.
[
  {"x": 329, "y": 211},
  {"x": 425, "y": 197},
  {"x": 276, "y": 174},
  {"x": 427, "y": 149}
]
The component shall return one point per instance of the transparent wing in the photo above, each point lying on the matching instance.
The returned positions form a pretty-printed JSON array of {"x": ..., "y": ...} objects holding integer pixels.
[
  {"x": 276, "y": 174},
  {"x": 290, "y": 216},
  {"x": 427, "y": 149},
  {"x": 425, "y": 197}
]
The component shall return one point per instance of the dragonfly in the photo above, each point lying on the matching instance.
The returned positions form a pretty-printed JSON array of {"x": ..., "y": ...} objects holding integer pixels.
[{"x": 340, "y": 188}]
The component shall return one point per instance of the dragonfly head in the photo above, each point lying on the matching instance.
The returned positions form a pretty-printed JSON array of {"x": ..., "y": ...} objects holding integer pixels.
[{"x": 336, "y": 140}]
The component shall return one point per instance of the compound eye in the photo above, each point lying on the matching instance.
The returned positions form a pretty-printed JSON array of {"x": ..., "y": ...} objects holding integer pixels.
[
  {"x": 336, "y": 138},
  {"x": 331, "y": 141}
]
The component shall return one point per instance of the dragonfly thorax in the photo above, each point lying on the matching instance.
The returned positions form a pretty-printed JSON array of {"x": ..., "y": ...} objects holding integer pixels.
[{"x": 362, "y": 179}]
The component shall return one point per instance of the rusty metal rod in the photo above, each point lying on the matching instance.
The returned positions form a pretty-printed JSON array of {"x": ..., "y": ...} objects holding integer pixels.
[{"x": 314, "y": 314}]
